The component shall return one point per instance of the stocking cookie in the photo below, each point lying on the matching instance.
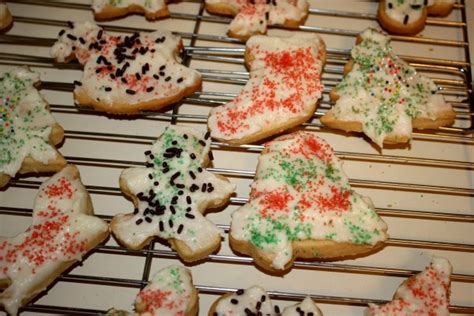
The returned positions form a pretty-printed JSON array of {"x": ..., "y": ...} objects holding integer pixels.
[
  {"x": 282, "y": 91},
  {"x": 426, "y": 293},
  {"x": 252, "y": 17},
  {"x": 28, "y": 130},
  {"x": 302, "y": 205},
  {"x": 171, "y": 194},
  {"x": 255, "y": 301},
  {"x": 383, "y": 96},
  {"x": 126, "y": 74},
  {"x": 5, "y": 16},
  {"x": 111, "y": 9},
  {"x": 64, "y": 229},
  {"x": 169, "y": 292},
  {"x": 408, "y": 17}
]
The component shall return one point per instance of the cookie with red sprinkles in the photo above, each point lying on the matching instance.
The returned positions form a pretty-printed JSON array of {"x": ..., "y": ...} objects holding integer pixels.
[
  {"x": 28, "y": 131},
  {"x": 169, "y": 292},
  {"x": 301, "y": 205},
  {"x": 424, "y": 294},
  {"x": 111, "y": 9},
  {"x": 252, "y": 17},
  {"x": 63, "y": 230},
  {"x": 281, "y": 93},
  {"x": 126, "y": 74},
  {"x": 383, "y": 96},
  {"x": 171, "y": 193}
]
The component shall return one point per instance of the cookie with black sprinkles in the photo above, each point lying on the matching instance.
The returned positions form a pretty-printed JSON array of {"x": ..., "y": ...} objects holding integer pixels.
[{"x": 171, "y": 193}]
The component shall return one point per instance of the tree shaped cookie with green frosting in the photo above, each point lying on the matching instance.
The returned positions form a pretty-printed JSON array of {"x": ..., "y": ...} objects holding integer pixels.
[{"x": 301, "y": 205}]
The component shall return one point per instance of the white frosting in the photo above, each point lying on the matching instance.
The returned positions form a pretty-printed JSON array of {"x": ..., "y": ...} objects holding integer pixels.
[
  {"x": 60, "y": 233},
  {"x": 168, "y": 293},
  {"x": 147, "y": 5},
  {"x": 300, "y": 192},
  {"x": 383, "y": 92},
  {"x": 306, "y": 306},
  {"x": 25, "y": 121},
  {"x": 426, "y": 293},
  {"x": 196, "y": 231},
  {"x": 284, "y": 85},
  {"x": 252, "y": 17},
  {"x": 152, "y": 69},
  {"x": 255, "y": 299}
]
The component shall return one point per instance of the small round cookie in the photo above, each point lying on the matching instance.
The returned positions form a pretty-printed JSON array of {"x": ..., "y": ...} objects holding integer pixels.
[
  {"x": 383, "y": 96},
  {"x": 301, "y": 205},
  {"x": 171, "y": 194},
  {"x": 251, "y": 17},
  {"x": 126, "y": 74},
  {"x": 426, "y": 293},
  {"x": 6, "y": 18},
  {"x": 112, "y": 9},
  {"x": 408, "y": 17},
  {"x": 28, "y": 130},
  {"x": 282, "y": 91},
  {"x": 63, "y": 230},
  {"x": 169, "y": 292}
]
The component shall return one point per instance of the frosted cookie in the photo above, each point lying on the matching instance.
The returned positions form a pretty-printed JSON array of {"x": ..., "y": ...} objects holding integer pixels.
[
  {"x": 426, "y": 293},
  {"x": 282, "y": 91},
  {"x": 111, "y": 9},
  {"x": 169, "y": 292},
  {"x": 6, "y": 18},
  {"x": 28, "y": 130},
  {"x": 301, "y": 205},
  {"x": 126, "y": 74},
  {"x": 171, "y": 193},
  {"x": 252, "y": 17},
  {"x": 383, "y": 96},
  {"x": 255, "y": 301},
  {"x": 408, "y": 17},
  {"x": 63, "y": 230}
]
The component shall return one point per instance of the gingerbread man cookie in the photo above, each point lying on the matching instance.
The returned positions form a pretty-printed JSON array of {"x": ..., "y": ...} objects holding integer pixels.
[
  {"x": 301, "y": 205},
  {"x": 111, "y": 9},
  {"x": 408, "y": 17},
  {"x": 255, "y": 301},
  {"x": 169, "y": 292},
  {"x": 126, "y": 74},
  {"x": 282, "y": 91},
  {"x": 252, "y": 17},
  {"x": 426, "y": 293},
  {"x": 6, "y": 18},
  {"x": 383, "y": 96},
  {"x": 27, "y": 128},
  {"x": 171, "y": 193},
  {"x": 64, "y": 229}
]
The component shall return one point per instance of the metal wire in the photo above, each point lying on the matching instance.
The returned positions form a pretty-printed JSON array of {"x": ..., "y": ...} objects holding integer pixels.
[{"x": 459, "y": 84}]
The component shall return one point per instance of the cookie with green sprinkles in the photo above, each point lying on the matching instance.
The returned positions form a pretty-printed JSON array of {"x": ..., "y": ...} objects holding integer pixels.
[
  {"x": 383, "y": 96},
  {"x": 170, "y": 195},
  {"x": 301, "y": 205},
  {"x": 169, "y": 292},
  {"x": 111, "y": 9},
  {"x": 28, "y": 131}
]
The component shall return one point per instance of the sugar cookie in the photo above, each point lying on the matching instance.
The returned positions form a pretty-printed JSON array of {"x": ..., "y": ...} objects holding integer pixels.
[
  {"x": 302, "y": 206},
  {"x": 6, "y": 18},
  {"x": 28, "y": 130},
  {"x": 282, "y": 91},
  {"x": 64, "y": 229},
  {"x": 111, "y": 9},
  {"x": 252, "y": 17},
  {"x": 383, "y": 96},
  {"x": 126, "y": 74},
  {"x": 171, "y": 194},
  {"x": 426, "y": 293}
]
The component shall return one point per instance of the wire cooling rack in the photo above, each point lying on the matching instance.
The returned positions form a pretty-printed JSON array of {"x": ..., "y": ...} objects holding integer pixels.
[{"x": 424, "y": 191}]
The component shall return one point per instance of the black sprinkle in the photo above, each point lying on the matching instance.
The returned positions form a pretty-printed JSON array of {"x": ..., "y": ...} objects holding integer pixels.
[
  {"x": 61, "y": 32},
  {"x": 162, "y": 67},
  {"x": 189, "y": 215},
  {"x": 258, "y": 306},
  {"x": 180, "y": 228},
  {"x": 130, "y": 91},
  {"x": 211, "y": 156},
  {"x": 139, "y": 221},
  {"x": 165, "y": 170},
  {"x": 203, "y": 143},
  {"x": 240, "y": 291},
  {"x": 185, "y": 136},
  {"x": 77, "y": 83},
  {"x": 98, "y": 70},
  {"x": 193, "y": 156},
  {"x": 188, "y": 209},
  {"x": 148, "y": 152},
  {"x": 71, "y": 37},
  {"x": 390, "y": 5},
  {"x": 193, "y": 187},
  {"x": 156, "y": 183},
  {"x": 263, "y": 298},
  {"x": 168, "y": 78},
  {"x": 82, "y": 41},
  {"x": 208, "y": 134},
  {"x": 180, "y": 192},
  {"x": 137, "y": 75},
  {"x": 148, "y": 220},
  {"x": 193, "y": 176},
  {"x": 277, "y": 309},
  {"x": 180, "y": 186},
  {"x": 108, "y": 89},
  {"x": 274, "y": 2},
  {"x": 199, "y": 169},
  {"x": 188, "y": 199},
  {"x": 149, "y": 89},
  {"x": 267, "y": 15},
  {"x": 170, "y": 222},
  {"x": 234, "y": 301},
  {"x": 150, "y": 176},
  {"x": 179, "y": 80},
  {"x": 135, "y": 211},
  {"x": 204, "y": 187},
  {"x": 161, "y": 73},
  {"x": 70, "y": 24},
  {"x": 173, "y": 177},
  {"x": 162, "y": 226},
  {"x": 405, "y": 20},
  {"x": 99, "y": 34},
  {"x": 172, "y": 209}
]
